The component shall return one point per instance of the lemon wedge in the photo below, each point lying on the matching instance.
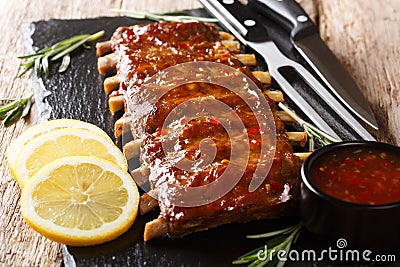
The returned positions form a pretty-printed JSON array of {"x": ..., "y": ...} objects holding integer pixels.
[
  {"x": 80, "y": 201},
  {"x": 16, "y": 146},
  {"x": 63, "y": 143}
]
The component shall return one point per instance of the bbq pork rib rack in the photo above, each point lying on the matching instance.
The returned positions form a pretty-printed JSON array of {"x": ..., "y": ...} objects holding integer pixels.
[{"x": 137, "y": 53}]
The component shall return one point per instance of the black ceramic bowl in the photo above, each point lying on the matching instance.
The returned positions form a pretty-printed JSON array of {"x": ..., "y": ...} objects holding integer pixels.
[{"x": 362, "y": 225}]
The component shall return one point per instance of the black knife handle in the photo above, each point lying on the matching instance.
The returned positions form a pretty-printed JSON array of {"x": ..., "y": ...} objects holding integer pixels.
[
  {"x": 255, "y": 30},
  {"x": 288, "y": 13}
]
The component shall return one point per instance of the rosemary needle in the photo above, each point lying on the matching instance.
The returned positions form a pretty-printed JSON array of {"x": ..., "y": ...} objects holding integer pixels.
[
  {"x": 12, "y": 109},
  {"x": 41, "y": 60},
  {"x": 311, "y": 130},
  {"x": 279, "y": 241}
]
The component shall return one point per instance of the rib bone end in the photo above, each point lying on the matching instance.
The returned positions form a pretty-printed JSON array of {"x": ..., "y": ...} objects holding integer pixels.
[{"x": 155, "y": 228}]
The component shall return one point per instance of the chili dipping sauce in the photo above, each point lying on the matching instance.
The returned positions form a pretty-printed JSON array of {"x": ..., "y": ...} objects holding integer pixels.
[{"x": 369, "y": 176}]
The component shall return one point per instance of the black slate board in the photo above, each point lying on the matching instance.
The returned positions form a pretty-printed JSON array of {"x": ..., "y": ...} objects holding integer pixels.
[{"x": 78, "y": 94}]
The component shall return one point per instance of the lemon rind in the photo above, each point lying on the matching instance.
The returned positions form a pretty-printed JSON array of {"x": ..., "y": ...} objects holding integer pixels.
[
  {"x": 17, "y": 144},
  {"x": 77, "y": 237},
  {"x": 21, "y": 174}
]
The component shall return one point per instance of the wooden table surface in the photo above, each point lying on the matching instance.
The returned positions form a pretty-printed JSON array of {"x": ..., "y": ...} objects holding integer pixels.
[{"x": 364, "y": 34}]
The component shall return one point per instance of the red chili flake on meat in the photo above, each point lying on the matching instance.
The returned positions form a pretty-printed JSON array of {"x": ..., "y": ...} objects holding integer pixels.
[
  {"x": 183, "y": 120},
  {"x": 226, "y": 55},
  {"x": 255, "y": 142},
  {"x": 183, "y": 45},
  {"x": 158, "y": 133},
  {"x": 254, "y": 130},
  {"x": 213, "y": 121}
]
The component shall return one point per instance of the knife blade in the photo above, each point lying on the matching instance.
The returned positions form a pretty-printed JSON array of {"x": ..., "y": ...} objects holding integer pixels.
[
  {"x": 246, "y": 25},
  {"x": 306, "y": 40}
]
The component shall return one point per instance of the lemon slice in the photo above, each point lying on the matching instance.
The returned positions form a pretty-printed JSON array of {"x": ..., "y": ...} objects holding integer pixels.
[
  {"x": 80, "y": 201},
  {"x": 63, "y": 143},
  {"x": 18, "y": 143}
]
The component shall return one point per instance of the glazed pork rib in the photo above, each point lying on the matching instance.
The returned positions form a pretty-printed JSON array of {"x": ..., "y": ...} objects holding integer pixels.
[{"x": 141, "y": 51}]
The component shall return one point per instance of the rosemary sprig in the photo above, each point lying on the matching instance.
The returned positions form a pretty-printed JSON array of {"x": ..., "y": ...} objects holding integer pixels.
[
  {"x": 41, "y": 60},
  {"x": 169, "y": 16},
  {"x": 11, "y": 109},
  {"x": 266, "y": 255},
  {"x": 311, "y": 130}
]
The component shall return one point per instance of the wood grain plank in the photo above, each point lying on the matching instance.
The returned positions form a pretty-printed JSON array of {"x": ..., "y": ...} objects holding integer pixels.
[
  {"x": 311, "y": 8},
  {"x": 364, "y": 35},
  {"x": 19, "y": 245}
]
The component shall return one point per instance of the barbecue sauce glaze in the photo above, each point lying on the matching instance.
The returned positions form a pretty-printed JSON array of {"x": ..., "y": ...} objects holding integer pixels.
[{"x": 143, "y": 51}]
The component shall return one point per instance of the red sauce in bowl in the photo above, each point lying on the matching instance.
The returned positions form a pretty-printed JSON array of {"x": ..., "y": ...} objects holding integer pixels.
[{"x": 368, "y": 176}]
